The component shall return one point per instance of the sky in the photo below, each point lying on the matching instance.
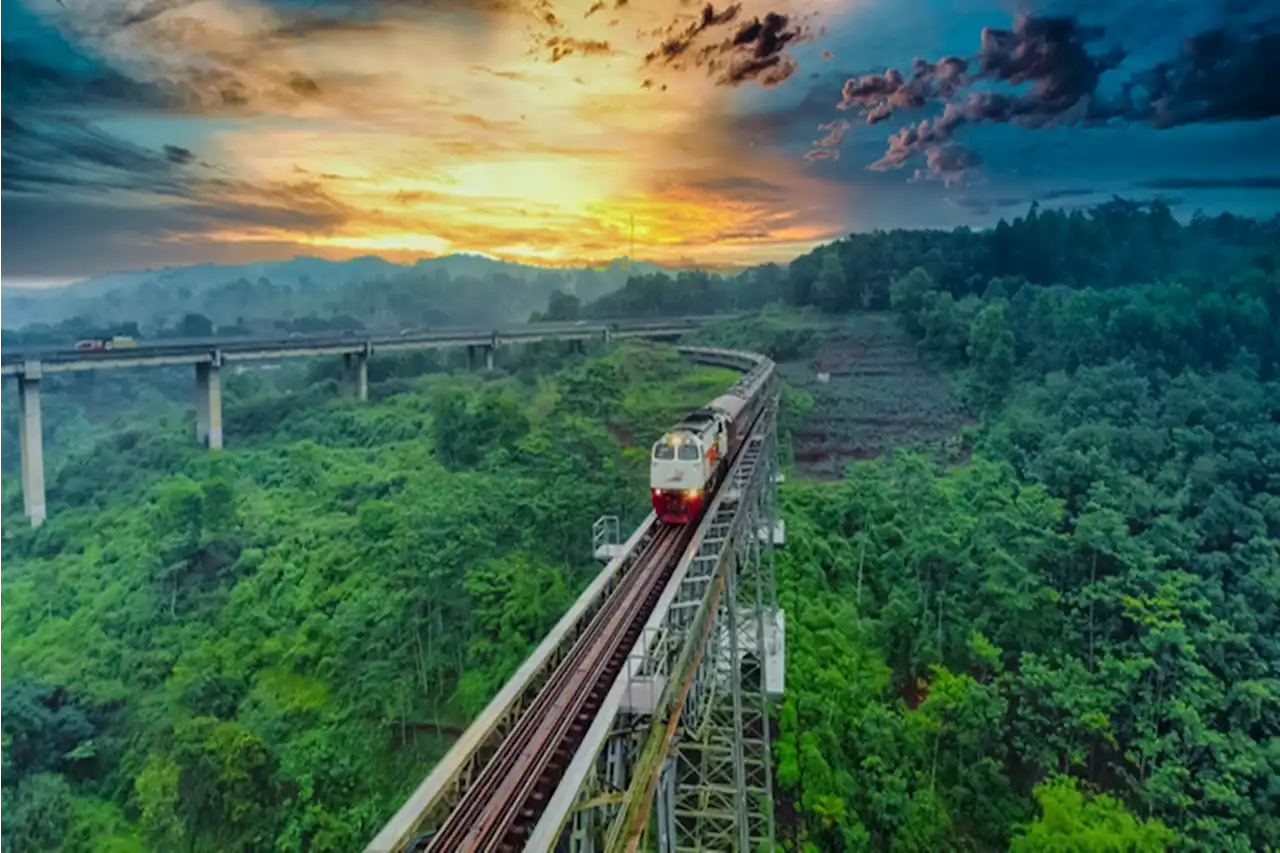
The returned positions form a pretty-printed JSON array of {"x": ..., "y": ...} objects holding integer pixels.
[{"x": 146, "y": 133}]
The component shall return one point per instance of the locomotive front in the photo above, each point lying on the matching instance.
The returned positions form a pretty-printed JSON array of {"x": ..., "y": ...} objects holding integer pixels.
[{"x": 685, "y": 464}]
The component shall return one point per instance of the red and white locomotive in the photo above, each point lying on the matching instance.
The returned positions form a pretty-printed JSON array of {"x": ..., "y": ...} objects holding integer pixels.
[{"x": 689, "y": 461}]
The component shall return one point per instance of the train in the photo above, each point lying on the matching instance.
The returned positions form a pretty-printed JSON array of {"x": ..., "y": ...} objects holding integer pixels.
[
  {"x": 112, "y": 343},
  {"x": 689, "y": 461}
]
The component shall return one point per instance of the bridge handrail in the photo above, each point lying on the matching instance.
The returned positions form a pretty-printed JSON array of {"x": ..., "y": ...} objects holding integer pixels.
[{"x": 445, "y": 775}]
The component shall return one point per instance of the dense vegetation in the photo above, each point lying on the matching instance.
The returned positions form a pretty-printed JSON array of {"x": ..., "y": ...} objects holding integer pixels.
[
  {"x": 1069, "y": 642},
  {"x": 1063, "y": 640},
  {"x": 1116, "y": 244},
  {"x": 264, "y": 649}
]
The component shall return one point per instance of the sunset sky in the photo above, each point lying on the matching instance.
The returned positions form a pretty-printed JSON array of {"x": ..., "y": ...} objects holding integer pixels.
[{"x": 142, "y": 133}]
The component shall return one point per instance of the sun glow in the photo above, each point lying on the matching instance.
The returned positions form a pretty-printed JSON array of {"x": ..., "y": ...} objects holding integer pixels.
[{"x": 494, "y": 145}]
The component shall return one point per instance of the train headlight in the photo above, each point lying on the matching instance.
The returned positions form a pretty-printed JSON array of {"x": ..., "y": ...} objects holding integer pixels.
[{"x": 692, "y": 493}]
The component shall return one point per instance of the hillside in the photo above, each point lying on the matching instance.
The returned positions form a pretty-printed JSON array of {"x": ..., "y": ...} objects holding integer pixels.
[
  {"x": 373, "y": 291},
  {"x": 878, "y": 394},
  {"x": 1041, "y": 613},
  {"x": 265, "y": 649}
]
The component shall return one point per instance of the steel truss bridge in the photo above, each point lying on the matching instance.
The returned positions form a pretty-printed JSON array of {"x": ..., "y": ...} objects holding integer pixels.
[{"x": 642, "y": 720}]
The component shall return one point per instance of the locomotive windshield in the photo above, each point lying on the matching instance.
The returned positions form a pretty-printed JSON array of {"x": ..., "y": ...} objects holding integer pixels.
[
  {"x": 688, "y": 452},
  {"x": 662, "y": 450}
]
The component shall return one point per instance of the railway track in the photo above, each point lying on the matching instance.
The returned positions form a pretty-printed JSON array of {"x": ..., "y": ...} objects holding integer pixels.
[{"x": 506, "y": 800}]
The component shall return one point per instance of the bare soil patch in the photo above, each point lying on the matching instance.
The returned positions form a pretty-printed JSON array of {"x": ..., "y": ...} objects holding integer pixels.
[{"x": 879, "y": 395}]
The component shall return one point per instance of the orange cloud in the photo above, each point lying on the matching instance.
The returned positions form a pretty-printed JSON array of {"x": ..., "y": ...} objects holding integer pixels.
[{"x": 524, "y": 131}]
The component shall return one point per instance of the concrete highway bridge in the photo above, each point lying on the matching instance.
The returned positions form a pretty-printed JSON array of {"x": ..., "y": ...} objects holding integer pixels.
[
  {"x": 30, "y": 363},
  {"x": 642, "y": 720}
]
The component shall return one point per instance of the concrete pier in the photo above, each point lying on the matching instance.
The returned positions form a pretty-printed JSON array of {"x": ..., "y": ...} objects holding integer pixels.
[
  {"x": 32, "y": 443},
  {"x": 209, "y": 404},
  {"x": 488, "y": 358},
  {"x": 355, "y": 374}
]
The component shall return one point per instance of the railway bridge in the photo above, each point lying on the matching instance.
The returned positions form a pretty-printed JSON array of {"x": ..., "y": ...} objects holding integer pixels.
[{"x": 642, "y": 719}]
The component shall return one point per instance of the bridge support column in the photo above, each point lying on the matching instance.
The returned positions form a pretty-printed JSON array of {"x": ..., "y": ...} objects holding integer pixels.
[
  {"x": 32, "y": 443},
  {"x": 471, "y": 357},
  {"x": 488, "y": 358},
  {"x": 209, "y": 404},
  {"x": 355, "y": 374}
]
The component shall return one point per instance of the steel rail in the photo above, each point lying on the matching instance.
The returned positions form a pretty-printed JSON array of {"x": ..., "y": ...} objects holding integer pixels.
[
  {"x": 558, "y": 807},
  {"x": 506, "y": 798}
]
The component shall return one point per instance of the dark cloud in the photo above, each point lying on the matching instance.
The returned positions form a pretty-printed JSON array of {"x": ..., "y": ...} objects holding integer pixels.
[
  {"x": 681, "y": 38},
  {"x": 30, "y": 83},
  {"x": 67, "y": 163},
  {"x": 828, "y": 146},
  {"x": 46, "y": 235},
  {"x": 43, "y": 156},
  {"x": 562, "y": 47},
  {"x": 754, "y": 52},
  {"x": 986, "y": 205},
  {"x": 1260, "y": 182},
  {"x": 947, "y": 163},
  {"x": 124, "y": 17},
  {"x": 304, "y": 85},
  {"x": 1220, "y": 76},
  {"x": 982, "y": 205},
  {"x": 1051, "y": 54},
  {"x": 297, "y": 24},
  {"x": 1051, "y": 195},
  {"x": 179, "y": 155},
  {"x": 880, "y": 93}
]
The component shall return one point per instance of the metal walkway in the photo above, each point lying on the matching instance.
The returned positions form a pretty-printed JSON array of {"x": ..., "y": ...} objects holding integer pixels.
[{"x": 645, "y": 710}]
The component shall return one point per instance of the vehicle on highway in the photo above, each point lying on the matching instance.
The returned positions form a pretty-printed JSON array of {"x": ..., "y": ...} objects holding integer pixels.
[
  {"x": 689, "y": 461},
  {"x": 100, "y": 344}
]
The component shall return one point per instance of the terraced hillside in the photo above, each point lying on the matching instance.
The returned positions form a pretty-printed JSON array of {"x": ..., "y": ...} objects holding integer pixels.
[{"x": 879, "y": 395}]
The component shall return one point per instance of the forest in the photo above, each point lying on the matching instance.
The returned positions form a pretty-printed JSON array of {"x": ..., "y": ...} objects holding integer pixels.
[
  {"x": 304, "y": 296},
  {"x": 1062, "y": 637},
  {"x": 265, "y": 649},
  {"x": 1069, "y": 641}
]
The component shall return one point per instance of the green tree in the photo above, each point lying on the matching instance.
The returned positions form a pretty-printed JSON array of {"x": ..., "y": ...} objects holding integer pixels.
[
  {"x": 991, "y": 352},
  {"x": 907, "y": 297},
  {"x": 829, "y": 290},
  {"x": 38, "y": 815},
  {"x": 1069, "y": 824}
]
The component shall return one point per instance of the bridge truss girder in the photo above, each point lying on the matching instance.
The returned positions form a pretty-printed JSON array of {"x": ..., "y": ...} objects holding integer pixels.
[{"x": 692, "y": 770}]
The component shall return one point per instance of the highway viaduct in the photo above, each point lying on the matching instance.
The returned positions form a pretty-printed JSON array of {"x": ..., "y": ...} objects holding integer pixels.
[{"x": 208, "y": 355}]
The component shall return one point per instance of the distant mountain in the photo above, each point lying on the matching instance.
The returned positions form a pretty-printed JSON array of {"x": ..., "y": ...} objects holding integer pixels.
[{"x": 304, "y": 286}]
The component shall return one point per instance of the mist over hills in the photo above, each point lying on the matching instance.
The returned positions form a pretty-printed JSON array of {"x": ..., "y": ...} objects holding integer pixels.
[{"x": 453, "y": 289}]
